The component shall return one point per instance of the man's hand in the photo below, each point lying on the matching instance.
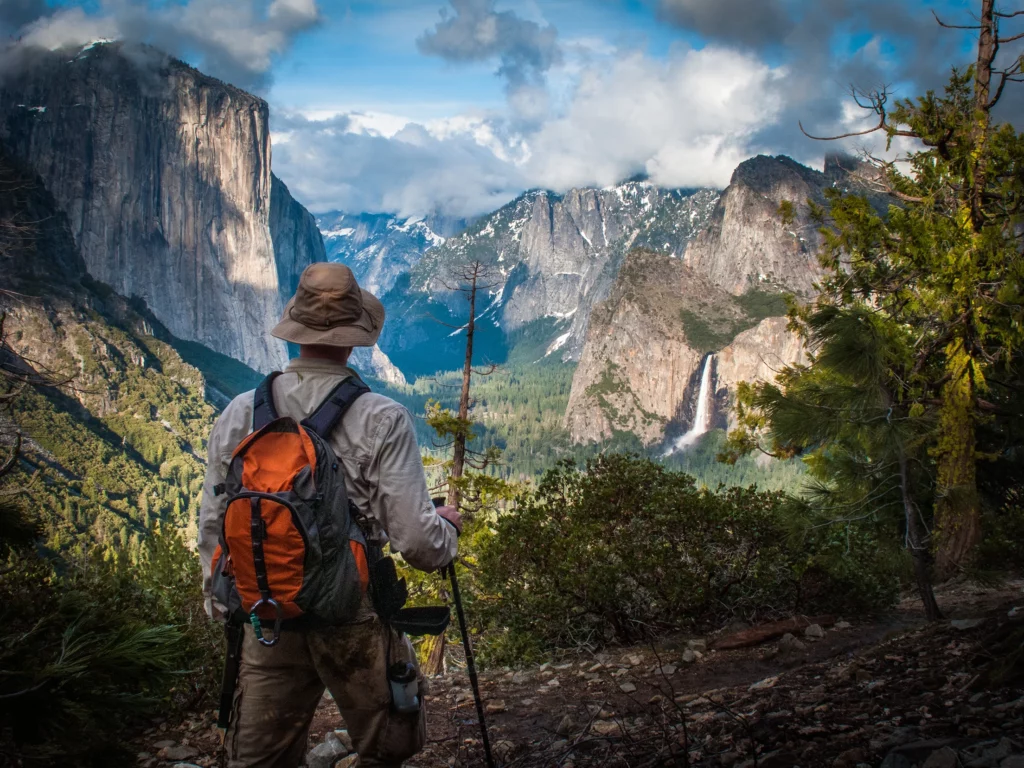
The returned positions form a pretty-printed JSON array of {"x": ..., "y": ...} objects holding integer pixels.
[{"x": 451, "y": 514}]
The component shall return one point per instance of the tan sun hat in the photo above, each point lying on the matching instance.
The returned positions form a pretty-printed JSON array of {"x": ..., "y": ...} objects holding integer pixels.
[{"x": 330, "y": 308}]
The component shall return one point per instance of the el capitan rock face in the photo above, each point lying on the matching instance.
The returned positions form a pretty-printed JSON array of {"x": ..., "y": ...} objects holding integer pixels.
[
  {"x": 164, "y": 175},
  {"x": 296, "y": 239}
]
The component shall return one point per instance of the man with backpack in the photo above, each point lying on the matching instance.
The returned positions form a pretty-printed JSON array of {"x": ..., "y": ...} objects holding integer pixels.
[{"x": 307, "y": 476}]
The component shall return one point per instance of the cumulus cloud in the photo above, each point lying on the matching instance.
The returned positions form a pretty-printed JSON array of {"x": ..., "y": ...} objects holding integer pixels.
[
  {"x": 336, "y": 164},
  {"x": 685, "y": 122},
  {"x": 235, "y": 40},
  {"x": 906, "y": 48},
  {"x": 476, "y": 31}
]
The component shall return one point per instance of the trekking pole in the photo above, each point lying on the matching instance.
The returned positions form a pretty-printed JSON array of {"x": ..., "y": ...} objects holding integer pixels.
[{"x": 471, "y": 667}]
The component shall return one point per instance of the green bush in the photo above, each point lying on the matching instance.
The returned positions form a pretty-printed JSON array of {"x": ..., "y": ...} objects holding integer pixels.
[
  {"x": 627, "y": 549},
  {"x": 88, "y": 648}
]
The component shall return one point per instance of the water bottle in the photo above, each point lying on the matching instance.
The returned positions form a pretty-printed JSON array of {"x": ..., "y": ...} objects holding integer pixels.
[{"x": 405, "y": 687}]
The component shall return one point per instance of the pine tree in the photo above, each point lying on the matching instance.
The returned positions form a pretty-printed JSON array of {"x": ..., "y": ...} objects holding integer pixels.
[{"x": 940, "y": 275}]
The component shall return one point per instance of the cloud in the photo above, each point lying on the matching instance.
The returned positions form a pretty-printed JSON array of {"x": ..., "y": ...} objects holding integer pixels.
[
  {"x": 754, "y": 24},
  {"x": 234, "y": 40},
  {"x": 337, "y": 164},
  {"x": 477, "y": 32},
  {"x": 685, "y": 122},
  {"x": 815, "y": 40}
]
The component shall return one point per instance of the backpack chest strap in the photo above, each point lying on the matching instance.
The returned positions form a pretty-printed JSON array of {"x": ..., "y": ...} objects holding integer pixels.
[{"x": 326, "y": 417}]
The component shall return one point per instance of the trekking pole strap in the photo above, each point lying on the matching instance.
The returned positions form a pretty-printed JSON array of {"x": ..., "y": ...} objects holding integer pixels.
[{"x": 470, "y": 665}]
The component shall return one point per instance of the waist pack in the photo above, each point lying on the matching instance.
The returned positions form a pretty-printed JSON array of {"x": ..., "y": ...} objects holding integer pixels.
[{"x": 290, "y": 545}]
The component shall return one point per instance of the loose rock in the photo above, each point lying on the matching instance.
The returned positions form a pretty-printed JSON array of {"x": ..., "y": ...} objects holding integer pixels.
[
  {"x": 566, "y": 726},
  {"x": 764, "y": 685},
  {"x": 789, "y": 644},
  {"x": 627, "y": 688},
  {"x": 814, "y": 632},
  {"x": 608, "y": 728},
  {"x": 177, "y": 753},
  {"x": 942, "y": 758},
  {"x": 503, "y": 749},
  {"x": 965, "y": 624}
]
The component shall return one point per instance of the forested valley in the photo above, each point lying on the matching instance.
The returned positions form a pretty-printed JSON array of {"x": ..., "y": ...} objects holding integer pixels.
[{"x": 827, "y": 573}]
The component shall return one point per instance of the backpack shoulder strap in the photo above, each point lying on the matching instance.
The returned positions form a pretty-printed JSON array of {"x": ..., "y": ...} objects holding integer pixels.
[
  {"x": 263, "y": 410},
  {"x": 326, "y": 417}
]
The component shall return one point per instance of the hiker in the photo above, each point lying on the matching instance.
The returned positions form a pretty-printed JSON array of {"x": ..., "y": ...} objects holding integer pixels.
[{"x": 282, "y": 675}]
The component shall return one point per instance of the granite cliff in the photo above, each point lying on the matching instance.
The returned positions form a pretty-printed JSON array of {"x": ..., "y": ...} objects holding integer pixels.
[
  {"x": 551, "y": 258},
  {"x": 747, "y": 244},
  {"x": 379, "y": 247},
  {"x": 164, "y": 175}
]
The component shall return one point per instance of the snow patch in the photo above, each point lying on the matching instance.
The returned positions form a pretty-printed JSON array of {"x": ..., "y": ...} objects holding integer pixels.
[
  {"x": 558, "y": 343},
  {"x": 342, "y": 232}
]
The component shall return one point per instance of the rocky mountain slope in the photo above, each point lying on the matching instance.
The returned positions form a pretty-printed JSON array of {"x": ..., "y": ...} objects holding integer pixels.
[
  {"x": 164, "y": 174},
  {"x": 119, "y": 442},
  {"x": 549, "y": 257},
  {"x": 640, "y": 371},
  {"x": 641, "y": 366},
  {"x": 380, "y": 246}
]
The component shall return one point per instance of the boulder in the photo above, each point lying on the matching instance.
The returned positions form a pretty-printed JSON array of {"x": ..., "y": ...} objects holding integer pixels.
[
  {"x": 814, "y": 632},
  {"x": 790, "y": 644}
]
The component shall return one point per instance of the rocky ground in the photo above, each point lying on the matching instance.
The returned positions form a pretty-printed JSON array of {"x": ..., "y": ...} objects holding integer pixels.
[{"x": 894, "y": 692}]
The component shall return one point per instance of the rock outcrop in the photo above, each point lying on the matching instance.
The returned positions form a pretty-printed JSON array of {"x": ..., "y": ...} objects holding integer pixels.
[
  {"x": 378, "y": 365},
  {"x": 164, "y": 175},
  {"x": 379, "y": 247},
  {"x": 638, "y": 368},
  {"x": 748, "y": 245},
  {"x": 296, "y": 239},
  {"x": 640, "y": 371},
  {"x": 757, "y": 354}
]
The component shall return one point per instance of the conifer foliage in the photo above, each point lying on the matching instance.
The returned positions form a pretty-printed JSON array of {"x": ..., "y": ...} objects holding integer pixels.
[{"x": 911, "y": 406}]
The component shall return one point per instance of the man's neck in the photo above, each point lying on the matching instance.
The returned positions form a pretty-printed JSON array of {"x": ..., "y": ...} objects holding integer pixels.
[{"x": 337, "y": 355}]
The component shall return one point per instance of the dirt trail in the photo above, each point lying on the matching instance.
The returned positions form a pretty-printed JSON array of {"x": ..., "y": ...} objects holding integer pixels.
[{"x": 849, "y": 698}]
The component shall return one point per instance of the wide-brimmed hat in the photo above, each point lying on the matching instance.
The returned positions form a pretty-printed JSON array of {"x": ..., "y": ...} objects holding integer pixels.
[{"x": 330, "y": 308}]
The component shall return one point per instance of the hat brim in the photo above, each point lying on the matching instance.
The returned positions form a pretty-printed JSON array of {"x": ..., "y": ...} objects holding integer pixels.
[{"x": 363, "y": 333}]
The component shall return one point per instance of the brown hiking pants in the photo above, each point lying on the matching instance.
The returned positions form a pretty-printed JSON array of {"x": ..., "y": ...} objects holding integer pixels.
[{"x": 279, "y": 689}]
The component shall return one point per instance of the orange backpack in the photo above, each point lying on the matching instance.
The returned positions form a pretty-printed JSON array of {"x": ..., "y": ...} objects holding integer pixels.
[{"x": 290, "y": 544}]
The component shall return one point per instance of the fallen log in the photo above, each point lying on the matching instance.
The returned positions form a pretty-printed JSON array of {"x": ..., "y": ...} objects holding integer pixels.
[{"x": 765, "y": 632}]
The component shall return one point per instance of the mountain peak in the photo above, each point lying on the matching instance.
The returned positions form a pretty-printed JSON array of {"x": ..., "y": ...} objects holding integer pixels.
[{"x": 764, "y": 172}]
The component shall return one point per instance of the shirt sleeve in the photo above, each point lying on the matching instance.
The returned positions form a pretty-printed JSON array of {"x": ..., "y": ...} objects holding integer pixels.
[
  {"x": 228, "y": 432},
  {"x": 400, "y": 501}
]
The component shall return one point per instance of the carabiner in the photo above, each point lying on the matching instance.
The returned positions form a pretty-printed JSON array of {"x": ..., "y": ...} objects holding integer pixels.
[{"x": 254, "y": 618}]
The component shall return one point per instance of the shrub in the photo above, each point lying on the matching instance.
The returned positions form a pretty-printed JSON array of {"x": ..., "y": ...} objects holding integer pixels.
[
  {"x": 627, "y": 549},
  {"x": 87, "y": 648}
]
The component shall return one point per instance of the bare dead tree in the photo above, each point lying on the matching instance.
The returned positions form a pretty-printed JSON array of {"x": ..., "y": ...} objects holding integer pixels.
[{"x": 467, "y": 279}]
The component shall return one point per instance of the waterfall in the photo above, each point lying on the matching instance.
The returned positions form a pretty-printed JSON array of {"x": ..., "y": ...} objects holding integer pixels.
[{"x": 702, "y": 418}]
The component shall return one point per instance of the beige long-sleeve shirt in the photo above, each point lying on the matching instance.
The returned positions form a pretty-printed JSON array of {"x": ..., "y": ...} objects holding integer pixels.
[{"x": 375, "y": 443}]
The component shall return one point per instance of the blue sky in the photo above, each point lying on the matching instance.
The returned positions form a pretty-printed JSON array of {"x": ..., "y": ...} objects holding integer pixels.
[
  {"x": 456, "y": 106},
  {"x": 363, "y": 56}
]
